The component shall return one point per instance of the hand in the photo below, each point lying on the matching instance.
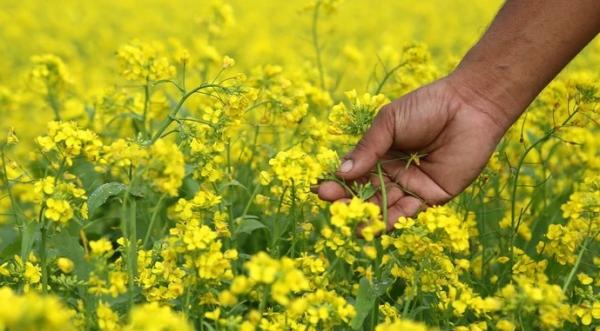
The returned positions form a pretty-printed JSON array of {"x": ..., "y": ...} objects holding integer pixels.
[{"x": 450, "y": 132}]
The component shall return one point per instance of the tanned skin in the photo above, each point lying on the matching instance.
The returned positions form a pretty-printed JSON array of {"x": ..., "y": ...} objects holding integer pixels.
[{"x": 457, "y": 121}]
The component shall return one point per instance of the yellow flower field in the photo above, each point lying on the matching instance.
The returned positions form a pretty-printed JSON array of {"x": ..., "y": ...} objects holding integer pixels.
[{"x": 157, "y": 160}]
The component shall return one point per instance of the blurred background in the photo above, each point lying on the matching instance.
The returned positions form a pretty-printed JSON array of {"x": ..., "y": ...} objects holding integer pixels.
[{"x": 86, "y": 34}]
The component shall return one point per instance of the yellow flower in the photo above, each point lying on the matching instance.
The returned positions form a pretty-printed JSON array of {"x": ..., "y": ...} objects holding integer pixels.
[
  {"x": 118, "y": 283},
  {"x": 265, "y": 178},
  {"x": 505, "y": 325},
  {"x": 213, "y": 315},
  {"x": 228, "y": 62},
  {"x": 49, "y": 74},
  {"x": 240, "y": 285},
  {"x": 152, "y": 316},
  {"x": 70, "y": 141},
  {"x": 227, "y": 298},
  {"x": 166, "y": 167},
  {"x": 58, "y": 210},
  {"x": 65, "y": 265},
  {"x": 32, "y": 311},
  {"x": 586, "y": 312},
  {"x": 401, "y": 324},
  {"x": 262, "y": 268},
  {"x": 143, "y": 62},
  {"x": 11, "y": 137},
  {"x": 101, "y": 246},
  {"x": 584, "y": 278},
  {"x": 108, "y": 320},
  {"x": 370, "y": 252},
  {"x": 357, "y": 117},
  {"x": 346, "y": 217},
  {"x": 45, "y": 186},
  {"x": 33, "y": 273}
]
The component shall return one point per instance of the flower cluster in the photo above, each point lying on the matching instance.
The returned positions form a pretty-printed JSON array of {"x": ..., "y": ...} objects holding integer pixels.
[
  {"x": 582, "y": 213},
  {"x": 60, "y": 199},
  {"x": 34, "y": 312},
  {"x": 144, "y": 62},
  {"x": 175, "y": 187},
  {"x": 50, "y": 75},
  {"x": 69, "y": 142},
  {"x": 354, "y": 119}
]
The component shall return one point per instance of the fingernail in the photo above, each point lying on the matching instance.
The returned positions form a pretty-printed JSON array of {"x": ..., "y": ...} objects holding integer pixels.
[{"x": 346, "y": 166}]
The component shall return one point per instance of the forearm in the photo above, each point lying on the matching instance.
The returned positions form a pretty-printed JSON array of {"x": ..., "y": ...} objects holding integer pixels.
[{"x": 526, "y": 46}]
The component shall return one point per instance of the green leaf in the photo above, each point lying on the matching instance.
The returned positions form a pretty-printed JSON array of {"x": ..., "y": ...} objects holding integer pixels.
[
  {"x": 380, "y": 287},
  {"x": 8, "y": 237},
  {"x": 101, "y": 195},
  {"x": 365, "y": 300},
  {"x": 248, "y": 224},
  {"x": 29, "y": 236},
  {"x": 66, "y": 244}
]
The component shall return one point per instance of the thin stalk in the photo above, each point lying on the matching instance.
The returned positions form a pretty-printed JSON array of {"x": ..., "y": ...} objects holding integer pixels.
[
  {"x": 183, "y": 67},
  {"x": 576, "y": 266},
  {"x": 515, "y": 182},
  {"x": 152, "y": 221},
  {"x": 53, "y": 102},
  {"x": 165, "y": 124},
  {"x": 293, "y": 215},
  {"x": 377, "y": 262},
  {"x": 188, "y": 298},
  {"x": 387, "y": 76},
  {"x": 229, "y": 168},
  {"x": 263, "y": 302},
  {"x": 315, "y": 38},
  {"x": 43, "y": 254},
  {"x": 406, "y": 307},
  {"x": 249, "y": 203},
  {"x": 254, "y": 143},
  {"x": 132, "y": 250},
  {"x": 146, "y": 105},
  {"x": 13, "y": 204},
  {"x": 384, "y": 199},
  {"x": 483, "y": 231},
  {"x": 129, "y": 229},
  {"x": 276, "y": 233}
]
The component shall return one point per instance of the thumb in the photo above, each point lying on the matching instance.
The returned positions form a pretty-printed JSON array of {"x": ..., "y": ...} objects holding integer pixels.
[{"x": 374, "y": 144}]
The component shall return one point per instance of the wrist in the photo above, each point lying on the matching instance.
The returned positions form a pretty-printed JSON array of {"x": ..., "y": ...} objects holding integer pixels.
[{"x": 489, "y": 91}]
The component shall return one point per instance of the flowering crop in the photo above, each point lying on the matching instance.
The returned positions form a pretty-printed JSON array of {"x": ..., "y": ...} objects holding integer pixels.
[{"x": 157, "y": 162}]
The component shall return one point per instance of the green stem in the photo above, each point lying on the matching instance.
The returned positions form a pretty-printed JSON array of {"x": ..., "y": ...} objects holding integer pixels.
[
  {"x": 377, "y": 261},
  {"x": 513, "y": 219},
  {"x": 576, "y": 266},
  {"x": 293, "y": 216},
  {"x": 165, "y": 124},
  {"x": 146, "y": 105},
  {"x": 387, "y": 76},
  {"x": 406, "y": 307},
  {"x": 188, "y": 297},
  {"x": 13, "y": 204},
  {"x": 43, "y": 255},
  {"x": 132, "y": 251},
  {"x": 384, "y": 202},
  {"x": 315, "y": 38},
  {"x": 249, "y": 203},
  {"x": 263, "y": 302},
  {"x": 152, "y": 221},
  {"x": 53, "y": 102},
  {"x": 276, "y": 230},
  {"x": 183, "y": 76}
]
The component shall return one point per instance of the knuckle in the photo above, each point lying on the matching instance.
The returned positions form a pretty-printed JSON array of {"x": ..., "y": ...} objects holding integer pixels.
[
  {"x": 387, "y": 116},
  {"x": 388, "y": 111}
]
